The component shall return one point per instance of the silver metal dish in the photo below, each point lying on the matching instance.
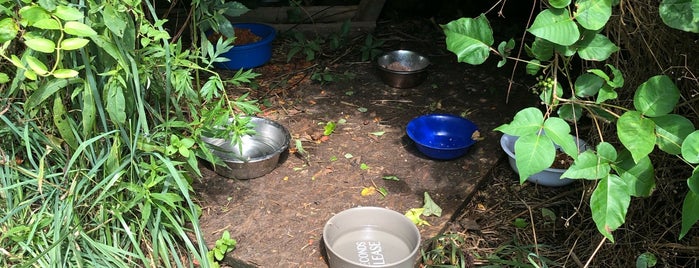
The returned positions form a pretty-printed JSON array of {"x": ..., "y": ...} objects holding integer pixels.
[
  {"x": 257, "y": 154},
  {"x": 402, "y": 68}
]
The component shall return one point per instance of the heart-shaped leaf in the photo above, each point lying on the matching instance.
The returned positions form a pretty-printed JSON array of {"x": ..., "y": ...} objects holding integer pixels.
[
  {"x": 555, "y": 25},
  {"x": 657, "y": 96},
  {"x": 598, "y": 48},
  {"x": 470, "y": 39},
  {"x": 637, "y": 133},
  {"x": 593, "y": 14}
]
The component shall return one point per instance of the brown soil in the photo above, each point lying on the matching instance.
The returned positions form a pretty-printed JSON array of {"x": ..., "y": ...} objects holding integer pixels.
[
  {"x": 562, "y": 161},
  {"x": 242, "y": 37},
  {"x": 278, "y": 219}
]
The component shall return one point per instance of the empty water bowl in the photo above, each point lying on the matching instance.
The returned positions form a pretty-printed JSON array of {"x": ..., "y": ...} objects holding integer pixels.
[
  {"x": 442, "y": 136},
  {"x": 371, "y": 237},
  {"x": 402, "y": 68},
  {"x": 256, "y": 155}
]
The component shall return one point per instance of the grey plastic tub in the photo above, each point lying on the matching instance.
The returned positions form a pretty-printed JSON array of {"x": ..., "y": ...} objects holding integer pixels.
[{"x": 371, "y": 237}]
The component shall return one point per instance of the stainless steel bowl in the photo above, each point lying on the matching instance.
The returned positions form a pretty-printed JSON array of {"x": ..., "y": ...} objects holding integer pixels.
[
  {"x": 257, "y": 154},
  {"x": 402, "y": 68}
]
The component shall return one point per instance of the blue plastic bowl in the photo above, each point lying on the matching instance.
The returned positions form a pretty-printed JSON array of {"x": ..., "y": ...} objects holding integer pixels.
[
  {"x": 249, "y": 56},
  {"x": 441, "y": 136}
]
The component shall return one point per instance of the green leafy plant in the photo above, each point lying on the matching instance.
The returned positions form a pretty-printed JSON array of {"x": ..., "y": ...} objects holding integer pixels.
[
  {"x": 223, "y": 245},
  {"x": 301, "y": 44},
  {"x": 564, "y": 30},
  {"x": 444, "y": 250},
  {"x": 101, "y": 123},
  {"x": 371, "y": 48}
]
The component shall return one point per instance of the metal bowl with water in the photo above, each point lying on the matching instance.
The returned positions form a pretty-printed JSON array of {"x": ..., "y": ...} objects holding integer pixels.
[
  {"x": 402, "y": 68},
  {"x": 257, "y": 154}
]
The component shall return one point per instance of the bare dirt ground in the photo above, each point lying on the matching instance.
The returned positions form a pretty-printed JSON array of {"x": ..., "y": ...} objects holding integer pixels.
[{"x": 278, "y": 219}]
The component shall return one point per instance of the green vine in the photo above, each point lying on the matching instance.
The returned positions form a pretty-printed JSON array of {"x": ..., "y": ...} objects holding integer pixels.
[{"x": 562, "y": 31}]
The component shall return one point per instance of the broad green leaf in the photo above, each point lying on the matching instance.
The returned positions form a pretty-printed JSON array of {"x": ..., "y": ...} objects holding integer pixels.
[
  {"x": 609, "y": 204},
  {"x": 65, "y": 12},
  {"x": 593, "y": 14},
  {"x": 48, "y": 24},
  {"x": 73, "y": 43},
  {"x": 690, "y": 147},
  {"x": 657, "y": 96},
  {"x": 640, "y": 175},
  {"x": 4, "y": 78},
  {"x": 637, "y": 133},
  {"x": 32, "y": 14},
  {"x": 599, "y": 48},
  {"x": 116, "y": 103},
  {"x": 36, "y": 65},
  {"x": 606, "y": 93},
  {"x": 526, "y": 121},
  {"x": 431, "y": 208},
  {"x": 533, "y": 153},
  {"x": 559, "y": 3},
  {"x": 680, "y": 14},
  {"x": 555, "y": 25},
  {"x": 41, "y": 44},
  {"x": 542, "y": 49},
  {"x": 470, "y": 39},
  {"x": 606, "y": 152},
  {"x": 114, "y": 20},
  {"x": 570, "y": 112},
  {"x": 8, "y": 30},
  {"x": 671, "y": 129},
  {"x": 559, "y": 132},
  {"x": 65, "y": 73},
  {"x": 78, "y": 29},
  {"x": 62, "y": 121},
  {"x": 693, "y": 181},
  {"x": 588, "y": 85},
  {"x": 690, "y": 212},
  {"x": 587, "y": 166}
]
